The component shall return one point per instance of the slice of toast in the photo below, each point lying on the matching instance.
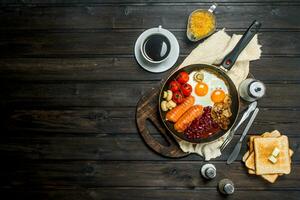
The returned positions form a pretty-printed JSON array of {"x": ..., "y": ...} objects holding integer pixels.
[
  {"x": 245, "y": 156},
  {"x": 263, "y": 147},
  {"x": 251, "y": 139},
  {"x": 274, "y": 133},
  {"x": 272, "y": 177},
  {"x": 266, "y": 134},
  {"x": 250, "y": 162},
  {"x": 269, "y": 177}
]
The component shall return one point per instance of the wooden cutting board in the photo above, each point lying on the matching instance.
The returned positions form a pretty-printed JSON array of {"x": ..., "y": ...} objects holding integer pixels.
[{"x": 147, "y": 109}]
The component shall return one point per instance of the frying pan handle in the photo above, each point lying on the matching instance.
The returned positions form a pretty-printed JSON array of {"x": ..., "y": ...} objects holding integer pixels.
[{"x": 230, "y": 58}]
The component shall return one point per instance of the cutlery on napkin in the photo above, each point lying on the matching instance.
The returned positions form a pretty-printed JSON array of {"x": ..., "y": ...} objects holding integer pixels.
[{"x": 238, "y": 146}]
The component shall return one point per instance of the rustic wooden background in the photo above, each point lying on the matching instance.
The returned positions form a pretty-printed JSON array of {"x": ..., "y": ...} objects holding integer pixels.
[{"x": 70, "y": 84}]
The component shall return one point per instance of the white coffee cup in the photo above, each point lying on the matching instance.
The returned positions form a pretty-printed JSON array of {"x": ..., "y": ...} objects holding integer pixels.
[{"x": 156, "y": 47}]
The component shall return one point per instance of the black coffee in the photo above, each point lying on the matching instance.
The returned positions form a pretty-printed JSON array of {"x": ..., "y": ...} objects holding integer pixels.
[{"x": 156, "y": 47}]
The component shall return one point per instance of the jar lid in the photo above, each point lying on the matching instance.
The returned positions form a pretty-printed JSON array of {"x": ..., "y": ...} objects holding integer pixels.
[{"x": 257, "y": 89}]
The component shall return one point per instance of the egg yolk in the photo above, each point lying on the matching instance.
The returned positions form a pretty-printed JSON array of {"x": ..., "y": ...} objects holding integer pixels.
[
  {"x": 201, "y": 89},
  {"x": 217, "y": 96}
]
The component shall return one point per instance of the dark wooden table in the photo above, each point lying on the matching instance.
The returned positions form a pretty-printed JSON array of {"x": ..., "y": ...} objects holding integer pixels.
[{"x": 70, "y": 84}]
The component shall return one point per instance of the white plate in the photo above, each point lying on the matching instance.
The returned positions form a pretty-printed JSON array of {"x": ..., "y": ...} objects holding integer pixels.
[{"x": 157, "y": 67}]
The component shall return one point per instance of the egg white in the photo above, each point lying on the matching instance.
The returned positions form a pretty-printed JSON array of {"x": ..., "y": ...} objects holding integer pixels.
[{"x": 213, "y": 82}]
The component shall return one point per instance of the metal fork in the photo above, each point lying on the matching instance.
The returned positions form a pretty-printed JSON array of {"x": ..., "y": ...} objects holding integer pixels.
[{"x": 246, "y": 114}]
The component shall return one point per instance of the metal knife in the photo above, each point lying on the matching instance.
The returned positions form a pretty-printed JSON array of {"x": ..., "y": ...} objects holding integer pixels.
[
  {"x": 251, "y": 107},
  {"x": 246, "y": 114},
  {"x": 238, "y": 146}
]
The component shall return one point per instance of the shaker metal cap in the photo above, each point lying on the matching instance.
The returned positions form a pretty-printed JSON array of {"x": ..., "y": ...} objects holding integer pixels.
[
  {"x": 210, "y": 172},
  {"x": 257, "y": 89},
  {"x": 228, "y": 188}
]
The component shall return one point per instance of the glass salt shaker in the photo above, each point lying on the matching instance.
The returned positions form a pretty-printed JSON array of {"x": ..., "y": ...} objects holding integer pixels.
[{"x": 251, "y": 89}]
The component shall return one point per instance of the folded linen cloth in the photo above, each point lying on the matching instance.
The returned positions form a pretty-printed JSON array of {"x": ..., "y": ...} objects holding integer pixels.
[{"x": 212, "y": 51}]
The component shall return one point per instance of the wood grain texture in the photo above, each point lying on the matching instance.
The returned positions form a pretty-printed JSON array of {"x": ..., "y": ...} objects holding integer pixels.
[
  {"x": 131, "y": 2},
  {"x": 68, "y": 124},
  {"x": 150, "y": 15},
  {"x": 146, "y": 111},
  {"x": 149, "y": 193},
  {"x": 117, "y": 120},
  {"x": 125, "y": 68},
  {"x": 50, "y": 174},
  {"x": 99, "y": 94},
  {"x": 61, "y": 147},
  {"x": 109, "y": 42}
]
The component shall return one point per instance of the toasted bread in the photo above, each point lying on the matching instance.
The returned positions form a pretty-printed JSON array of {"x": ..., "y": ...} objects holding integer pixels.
[
  {"x": 274, "y": 133},
  {"x": 251, "y": 139},
  {"x": 270, "y": 177},
  {"x": 252, "y": 171},
  {"x": 250, "y": 162},
  {"x": 245, "y": 156},
  {"x": 263, "y": 147}
]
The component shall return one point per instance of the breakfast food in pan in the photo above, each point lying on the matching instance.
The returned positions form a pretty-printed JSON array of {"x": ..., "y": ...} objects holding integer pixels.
[
  {"x": 203, "y": 126},
  {"x": 269, "y": 156},
  {"x": 201, "y": 104},
  {"x": 221, "y": 112},
  {"x": 186, "y": 119},
  {"x": 179, "y": 110}
]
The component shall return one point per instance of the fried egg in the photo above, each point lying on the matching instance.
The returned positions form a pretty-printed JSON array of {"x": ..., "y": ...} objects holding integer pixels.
[{"x": 212, "y": 89}]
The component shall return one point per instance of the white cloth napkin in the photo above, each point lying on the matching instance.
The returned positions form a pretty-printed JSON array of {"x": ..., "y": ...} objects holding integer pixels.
[{"x": 212, "y": 51}]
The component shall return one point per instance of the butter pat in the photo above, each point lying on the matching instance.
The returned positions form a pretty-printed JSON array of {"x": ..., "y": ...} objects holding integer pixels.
[
  {"x": 275, "y": 152},
  {"x": 272, "y": 159}
]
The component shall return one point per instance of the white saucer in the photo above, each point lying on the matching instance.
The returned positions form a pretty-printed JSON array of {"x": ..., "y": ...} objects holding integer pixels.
[{"x": 157, "y": 67}]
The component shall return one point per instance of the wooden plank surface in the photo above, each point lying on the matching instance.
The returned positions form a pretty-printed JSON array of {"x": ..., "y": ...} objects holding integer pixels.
[
  {"x": 137, "y": 16},
  {"x": 103, "y": 42},
  {"x": 117, "y": 120},
  {"x": 120, "y": 193},
  {"x": 268, "y": 68},
  {"x": 100, "y": 147},
  {"x": 115, "y": 93},
  {"x": 68, "y": 123},
  {"x": 130, "y": 2},
  {"x": 50, "y": 174}
]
